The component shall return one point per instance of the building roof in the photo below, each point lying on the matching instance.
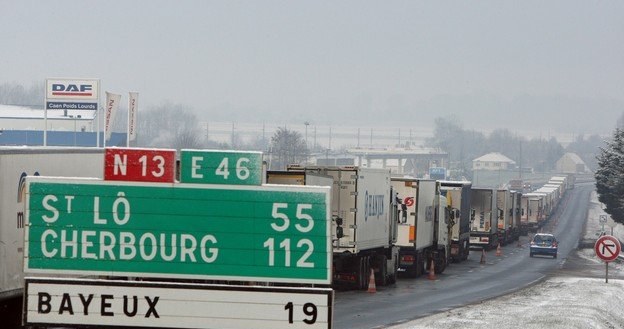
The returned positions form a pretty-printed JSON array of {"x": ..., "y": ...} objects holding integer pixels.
[
  {"x": 573, "y": 157},
  {"x": 395, "y": 152},
  {"x": 494, "y": 157}
]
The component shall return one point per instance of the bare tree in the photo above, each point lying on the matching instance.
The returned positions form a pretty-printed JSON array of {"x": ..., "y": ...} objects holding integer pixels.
[
  {"x": 187, "y": 140},
  {"x": 169, "y": 125},
  {"x": 287, "y": 147},
  {"x": 16, "y": 94}
]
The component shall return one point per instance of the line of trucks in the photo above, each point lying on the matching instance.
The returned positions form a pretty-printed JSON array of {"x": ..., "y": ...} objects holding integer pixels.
[
  {"x": 390, "y": 225},
  {"x": 403, "y": 225}
]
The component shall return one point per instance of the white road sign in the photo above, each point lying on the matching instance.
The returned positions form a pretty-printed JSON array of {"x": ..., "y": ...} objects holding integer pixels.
[{"x": 62, "y": 302}]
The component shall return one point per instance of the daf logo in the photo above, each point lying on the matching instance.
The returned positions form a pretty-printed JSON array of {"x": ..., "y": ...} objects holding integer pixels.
[{"x": 72, "y": 89}]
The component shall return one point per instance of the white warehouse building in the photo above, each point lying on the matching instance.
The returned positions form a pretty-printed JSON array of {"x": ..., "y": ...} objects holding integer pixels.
[{"x": 493, "y": 161}]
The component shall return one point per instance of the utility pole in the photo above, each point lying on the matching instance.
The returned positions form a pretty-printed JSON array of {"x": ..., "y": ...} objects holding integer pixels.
[
  {"x": 330, "y": 136},
  {"x": 306, "y": 132}
]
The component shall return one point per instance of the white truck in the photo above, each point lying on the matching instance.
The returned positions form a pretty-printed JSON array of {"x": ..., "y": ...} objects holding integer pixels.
[
  {"x": 503, "y": 207},
  {"x": 16, "y": 163},
  {"x": 423, "y": 232},
  {"x": 457, "y": 195},
  {"x": 484, "y": 227},
  {"x": 515, "y": 213},
  {"x": 531, "y": 212},
  {"x": 364, "y": 222}
]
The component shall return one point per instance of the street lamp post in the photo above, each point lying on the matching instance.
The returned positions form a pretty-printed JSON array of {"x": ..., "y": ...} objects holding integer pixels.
[{"x": 307, "y": 123}]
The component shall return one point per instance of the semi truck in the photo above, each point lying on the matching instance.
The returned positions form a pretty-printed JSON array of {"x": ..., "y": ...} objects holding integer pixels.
[
  {"x": 457, "y": 195},
  {"x": 364, "y": 220},
  {"x": 423, "y": 229},
  {"x": 484, "y": 228},
  {"x": 515, "y": 212},
  {"x": 17, "y": 163},
  {"x": 503, "y": 206},
  {"x": 531, "y": 212}
]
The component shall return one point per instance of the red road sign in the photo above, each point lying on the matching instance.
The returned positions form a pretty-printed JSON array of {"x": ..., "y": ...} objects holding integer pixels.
[
  {"x": 139, "y": 165},
  {"x": 607, "y": 248},
  {"x": 409, "y": 201}
]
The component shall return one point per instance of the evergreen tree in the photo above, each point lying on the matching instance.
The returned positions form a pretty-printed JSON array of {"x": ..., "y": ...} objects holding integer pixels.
[{"x": 610, "y": 176}]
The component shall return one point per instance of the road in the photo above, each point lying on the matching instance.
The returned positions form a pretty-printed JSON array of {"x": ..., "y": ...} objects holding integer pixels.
[{"x": 467, "y": 282}]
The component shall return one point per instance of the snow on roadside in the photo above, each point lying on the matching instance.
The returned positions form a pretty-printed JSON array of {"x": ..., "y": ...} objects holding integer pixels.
[
  {"x": 594, "y": 227},
  {"x": 560, "y": 302}
]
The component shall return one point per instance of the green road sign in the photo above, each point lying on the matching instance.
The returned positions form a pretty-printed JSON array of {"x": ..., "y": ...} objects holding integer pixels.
[
  {"x": 221, "y": 167},
  {"x": 244, "y": 233}
]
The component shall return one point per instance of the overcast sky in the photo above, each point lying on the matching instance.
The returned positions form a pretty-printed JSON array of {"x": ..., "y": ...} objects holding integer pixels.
[{"x": 327, "y": 61}]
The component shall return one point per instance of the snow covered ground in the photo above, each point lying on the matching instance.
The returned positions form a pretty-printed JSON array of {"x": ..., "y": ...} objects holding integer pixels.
[{"x": 562, "y": 301}]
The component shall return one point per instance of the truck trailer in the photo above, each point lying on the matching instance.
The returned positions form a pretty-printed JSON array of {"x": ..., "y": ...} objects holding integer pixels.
[
  {"x": 503, "y": 207},
  {"x": 484, "y": 228},
  {"x": 515, "y": 213},
  {"x": 16, "y": 163},
  {"x": 531, "y": 212},
  {"x": 457, "y": 195},
  {"x": 423, "y": 230},
  {"x": 364, "y": 220}
]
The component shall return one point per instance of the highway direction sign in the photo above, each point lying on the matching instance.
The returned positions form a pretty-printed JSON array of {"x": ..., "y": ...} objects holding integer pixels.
[
  {"x": 141, "y": 165},
  {"x": 607, "y": 248},
  {"x": 243, "y": 233},
  {"x": 221, "y": 167},
  {"x": 61, "y": 302}
]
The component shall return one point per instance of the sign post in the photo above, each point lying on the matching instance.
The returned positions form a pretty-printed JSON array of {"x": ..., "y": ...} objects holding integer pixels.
[{"x": 608, "y": 249}]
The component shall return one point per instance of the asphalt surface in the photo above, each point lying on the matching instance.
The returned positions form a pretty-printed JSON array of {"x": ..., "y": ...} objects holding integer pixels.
[{"x": 470, "y": 281}]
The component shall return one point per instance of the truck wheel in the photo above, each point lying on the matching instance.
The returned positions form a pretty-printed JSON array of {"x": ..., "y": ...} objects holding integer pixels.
[
  {"x": 382, "y": 278},
  {"x": 363, "y": 284},
  {"x": 393, "y": 277},
  {"x": 440, "y": 262},
  {"x": 365, "y": 272},
  {"x": 420, "y": 265},
  {"x": 466, "y": 250}
]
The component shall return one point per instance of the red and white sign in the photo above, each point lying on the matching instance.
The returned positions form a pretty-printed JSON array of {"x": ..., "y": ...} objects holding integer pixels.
[
  {"x": 139, "y": 165},
  {"x": 409, "y": 201},
  {"x": 607, "y": 248}
]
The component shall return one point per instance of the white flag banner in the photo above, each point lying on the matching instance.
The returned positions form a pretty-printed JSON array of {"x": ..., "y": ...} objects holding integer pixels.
[
  {"x": 112, "y": 103},
  {"x": 133, "y": 106}
]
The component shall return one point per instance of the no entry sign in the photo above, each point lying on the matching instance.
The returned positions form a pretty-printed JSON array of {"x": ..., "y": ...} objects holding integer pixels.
[{"x": 607, "y": 248}]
